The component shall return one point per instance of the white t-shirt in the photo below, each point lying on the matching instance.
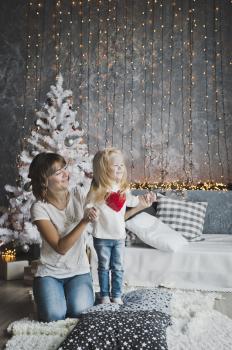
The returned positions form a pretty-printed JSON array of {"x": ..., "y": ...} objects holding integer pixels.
[
  {"x": 75, "y": 261},
  {"x": 111, "y": 223}
]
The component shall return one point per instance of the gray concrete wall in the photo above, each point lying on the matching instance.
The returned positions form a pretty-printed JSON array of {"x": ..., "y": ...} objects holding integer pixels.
[{"x": 152, "y": 80}]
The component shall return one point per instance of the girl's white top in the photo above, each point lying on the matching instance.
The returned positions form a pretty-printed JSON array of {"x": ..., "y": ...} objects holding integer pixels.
[
  {"x": 75, "y": 261},
  {"x": 111, "y": 223}
]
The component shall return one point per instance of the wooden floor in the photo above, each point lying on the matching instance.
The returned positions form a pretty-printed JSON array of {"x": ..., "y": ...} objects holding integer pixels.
[{"x": 15, "y": 303}]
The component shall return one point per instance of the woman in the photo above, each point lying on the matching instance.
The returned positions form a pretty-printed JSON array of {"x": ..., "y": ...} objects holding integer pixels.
[{"x": 63, "y": 284}]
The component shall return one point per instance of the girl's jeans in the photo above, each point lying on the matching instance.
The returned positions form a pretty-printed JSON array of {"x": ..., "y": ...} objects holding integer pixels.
[
  {"x": 110, "y": 257},
  {"x": 58, "y": 298}
]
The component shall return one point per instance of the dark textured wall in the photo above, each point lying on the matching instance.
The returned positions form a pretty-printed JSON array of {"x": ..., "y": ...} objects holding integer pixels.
[
  {"x": 12, "y": 61},
  {"x": 150, "y": 77}
]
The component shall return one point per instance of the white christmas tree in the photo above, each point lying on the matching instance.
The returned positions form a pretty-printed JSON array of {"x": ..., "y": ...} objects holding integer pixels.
[{"x": 57, "y": 130}]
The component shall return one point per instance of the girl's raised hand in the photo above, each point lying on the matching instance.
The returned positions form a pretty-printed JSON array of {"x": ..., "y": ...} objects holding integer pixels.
[
  {"x": 147, "y": 199},
  {"x": 152, "y": 197}
]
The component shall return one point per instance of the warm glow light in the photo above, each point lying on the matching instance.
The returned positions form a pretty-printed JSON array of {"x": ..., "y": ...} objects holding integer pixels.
[{"x": 9, "y": 255}]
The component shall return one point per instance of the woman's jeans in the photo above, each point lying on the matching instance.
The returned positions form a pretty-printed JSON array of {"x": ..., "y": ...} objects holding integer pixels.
[
  {"x": 58, "y": 298},
  {"x": 110, "y": 257}
]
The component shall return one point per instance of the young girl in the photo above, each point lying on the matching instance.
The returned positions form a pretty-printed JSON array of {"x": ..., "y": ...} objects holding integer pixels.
[{"x": 110, "y": 195}]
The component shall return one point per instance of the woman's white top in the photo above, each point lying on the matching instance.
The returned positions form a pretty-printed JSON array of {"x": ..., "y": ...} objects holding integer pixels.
[
  {"x": 75, "y": 261},
  {"x": 111, "y": 223}
]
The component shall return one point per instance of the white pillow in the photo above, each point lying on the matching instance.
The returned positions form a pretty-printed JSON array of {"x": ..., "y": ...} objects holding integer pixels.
[{"x": 155, "y": 233}]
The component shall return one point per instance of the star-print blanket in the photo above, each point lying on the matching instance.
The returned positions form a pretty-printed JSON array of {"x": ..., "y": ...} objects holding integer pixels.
[{"x": 140, "y": 323}]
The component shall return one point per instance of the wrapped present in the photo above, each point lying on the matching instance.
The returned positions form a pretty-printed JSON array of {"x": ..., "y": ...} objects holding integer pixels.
[{"x": 12, "y": 270}]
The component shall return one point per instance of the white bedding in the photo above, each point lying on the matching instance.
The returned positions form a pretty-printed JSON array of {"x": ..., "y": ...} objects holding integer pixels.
[{"x": 205, "y": 265}]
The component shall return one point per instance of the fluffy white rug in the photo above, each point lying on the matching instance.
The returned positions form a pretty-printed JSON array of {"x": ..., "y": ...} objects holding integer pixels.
[
  {"x": 195, "y": 326},
  {"x": 28, "y": 335}
]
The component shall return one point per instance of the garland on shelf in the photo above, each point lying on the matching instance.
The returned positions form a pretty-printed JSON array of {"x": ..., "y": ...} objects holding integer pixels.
[{"x": 204, "y": 186}]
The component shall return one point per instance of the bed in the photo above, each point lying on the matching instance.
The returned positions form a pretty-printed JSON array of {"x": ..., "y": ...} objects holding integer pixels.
[
  {"x": 200, "y": 265},
  {"x": 204, "y": 265}
]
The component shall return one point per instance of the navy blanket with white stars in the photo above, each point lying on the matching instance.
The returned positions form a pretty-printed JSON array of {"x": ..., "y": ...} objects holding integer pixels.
[{"x": 140, "y": 323}]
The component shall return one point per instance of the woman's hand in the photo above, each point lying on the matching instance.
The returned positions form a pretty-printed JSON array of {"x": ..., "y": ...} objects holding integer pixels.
[
  {"x": 90, "y": 214},
  {"x": 61, "y": 244}
]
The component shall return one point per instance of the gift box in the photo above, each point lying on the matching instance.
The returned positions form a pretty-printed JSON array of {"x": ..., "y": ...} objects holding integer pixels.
[{"x": 12, "y": 270}]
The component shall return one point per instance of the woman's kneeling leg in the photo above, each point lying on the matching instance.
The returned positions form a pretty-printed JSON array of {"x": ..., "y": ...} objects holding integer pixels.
[{"x": 50, "y": 298}]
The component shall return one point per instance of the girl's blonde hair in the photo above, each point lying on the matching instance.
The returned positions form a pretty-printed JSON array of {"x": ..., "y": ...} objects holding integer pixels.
[{"x": 102, "y": 175}]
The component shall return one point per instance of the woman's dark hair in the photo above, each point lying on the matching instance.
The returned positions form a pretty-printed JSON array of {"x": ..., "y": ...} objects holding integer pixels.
[{"x": 43, "y": 166}]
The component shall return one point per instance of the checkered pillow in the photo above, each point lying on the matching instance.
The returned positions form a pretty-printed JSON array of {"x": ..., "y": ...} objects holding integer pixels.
[{"x": 185, "y": 217}]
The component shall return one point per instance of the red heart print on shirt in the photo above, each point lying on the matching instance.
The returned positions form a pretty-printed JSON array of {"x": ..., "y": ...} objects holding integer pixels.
[{"x": 116, "y": 200}]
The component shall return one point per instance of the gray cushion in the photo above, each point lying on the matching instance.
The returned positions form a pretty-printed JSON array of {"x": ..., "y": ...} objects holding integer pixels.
[{"x": 218, "y": 218}]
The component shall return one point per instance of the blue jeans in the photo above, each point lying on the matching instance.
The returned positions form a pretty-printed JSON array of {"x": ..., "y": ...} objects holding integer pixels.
[
  {"x": 110, "y": 257},
  {"x": 58, "y": 298}
]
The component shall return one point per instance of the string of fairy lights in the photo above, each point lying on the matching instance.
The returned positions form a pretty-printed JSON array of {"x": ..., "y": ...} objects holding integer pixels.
[
  {"x": 70, "y": 36},
  {"x": 33, "y": 64},
  {"x": 98, "y": 78},
  {"x": 107, "y": 77},
  {"x": 115, "y": 19},
  {"x": 40, "y": 53},
  {"x": 24, "y": 104},
  {"x": 124, "y": 39},
  {"x": 215, "y": 78},
  {"x": 36, "y": 57},
  {"x": 191, "y": 83},
  {"x": 169, "y": 93},
  {"x": 220, "y": 43},
  {"x": 145, "y": 73},
  {"x": 181, "y": 89},
  {"x": 162, "y": 109},
  {"x": 134, "y": 66},
  {"x": 152, "y": 10},
  {"x": 206, "y": 109},
  {"x": 132, "y": 124},
  {"x": 57, "y": 35},
  {"x": 89, "y": 35},
  {"x": 81, "y": 56}
]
